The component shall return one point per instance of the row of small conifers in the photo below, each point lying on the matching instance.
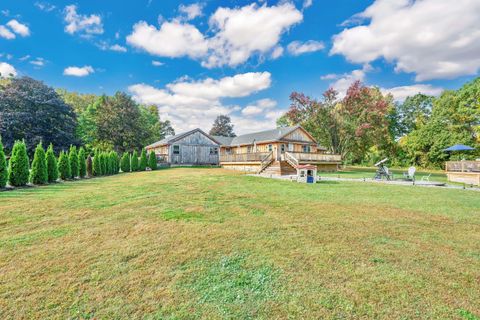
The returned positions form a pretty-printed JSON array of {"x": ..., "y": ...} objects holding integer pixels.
[{"x": 74, "y": 164}]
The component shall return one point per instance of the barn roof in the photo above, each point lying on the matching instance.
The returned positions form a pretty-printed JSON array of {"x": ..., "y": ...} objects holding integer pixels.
[
  {"x": 170, "y": 139},
  {"x": 257, "y": 137}
]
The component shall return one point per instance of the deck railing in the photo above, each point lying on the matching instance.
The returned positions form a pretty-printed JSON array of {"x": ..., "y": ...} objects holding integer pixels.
[
  {"x": 161, "y": 157},
  {"x": 315, "y": 157},
  {"x": 463, "y": 166},
  {"x": 244, "y": 157},
  {"x": 266, "y": 161}
]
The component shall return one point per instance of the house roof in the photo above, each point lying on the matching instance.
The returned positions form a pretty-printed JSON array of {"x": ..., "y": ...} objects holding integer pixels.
[
  {"x": 171, "y": 139},
  {"x": 257, "y": 137}
]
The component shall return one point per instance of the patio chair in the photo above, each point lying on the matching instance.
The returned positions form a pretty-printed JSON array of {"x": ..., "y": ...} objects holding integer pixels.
[
  {"x": 410, "y": 174},
  {"x": 426, "y": 178}
]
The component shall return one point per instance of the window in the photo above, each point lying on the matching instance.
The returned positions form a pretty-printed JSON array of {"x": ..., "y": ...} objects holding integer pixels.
[
  {"x": 270, "y": 147},
  {"x": 176, "y": 149},
  {"x": 282, "y": 148},
  {"x": 306, "y": 149},
  {"x": 228, "y": 150},
  {"x": 213, "y": 151},
  {"x": 249, "y": 149}
]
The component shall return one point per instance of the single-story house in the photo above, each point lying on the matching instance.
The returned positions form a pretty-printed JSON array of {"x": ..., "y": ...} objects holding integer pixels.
[
  {"x": 194, "y": 147},
  {"x": 277, "y": 151}
]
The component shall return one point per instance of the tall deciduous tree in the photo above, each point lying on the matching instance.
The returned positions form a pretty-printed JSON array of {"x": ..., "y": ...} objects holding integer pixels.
[
  {"x": 19, "y": 167},
  {"x": 32, "y": 111},
  {"x": 39, "y": 174},
  {"x": 222, "y": 126},
  {"x": 52, "y": 165},
  {"x": 3, "y": 166}
]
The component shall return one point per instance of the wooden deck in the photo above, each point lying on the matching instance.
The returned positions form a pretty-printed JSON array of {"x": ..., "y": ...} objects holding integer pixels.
[{"x": 463, "y": 171}]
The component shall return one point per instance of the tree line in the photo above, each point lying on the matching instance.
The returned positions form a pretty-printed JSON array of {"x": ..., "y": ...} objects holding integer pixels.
[
  {"x": 72, "y": 165},
  {"x": 366, "y": 125},
  {"x": 35, "y": 112}
]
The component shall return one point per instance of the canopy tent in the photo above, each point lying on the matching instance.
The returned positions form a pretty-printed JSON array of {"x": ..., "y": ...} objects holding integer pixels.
[{"x": 459, "y": 147}]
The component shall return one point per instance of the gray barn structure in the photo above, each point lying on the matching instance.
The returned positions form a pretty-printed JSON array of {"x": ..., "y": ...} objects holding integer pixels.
[{"x": 194, "y": 147}]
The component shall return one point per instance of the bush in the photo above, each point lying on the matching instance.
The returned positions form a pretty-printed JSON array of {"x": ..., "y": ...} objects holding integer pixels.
[
  {"x": 89, "y": 166},
  {"x": 39, "y": 173},
  {"x": 64, "y": 166},
  {"x": 103, "y": 164},
  {"x": 3, "y": 167},
  {"x": 19, "y": 165},
  {"x": 152, "y": 160},
  {"x": 82, "y": 165},
  {"x": 73, "y": 158},
  {"x": 52, "y": 165},
  {"x": 115, "y": 167},
  {"x": 143, "y": 160},
  {"x": 125, "y": 162},
  {"x": 134, "y": 161},
  {"x": 97, "y": 164}
]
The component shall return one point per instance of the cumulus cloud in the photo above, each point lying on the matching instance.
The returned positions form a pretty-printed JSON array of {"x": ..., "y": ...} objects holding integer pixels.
[
  {"x": 7, "y": 70},
  {"x": 118, "y": 48},
  {"x": 191, "y": 11},
  {"x": 277, "y": 52},
  {"x": 259, "y": 107},
  {"x": 173, "y": 39},
  {"x": 78, "y": 71},
  {"x": 401, "y": 93},
  {"x": 345, "y": 80},
  {"x": 242, "y": 32},
  {"x": 85, "y": 25},
  {"x": 190, "y": 104},
  {"x": 6, "y": 33},
  {"x": 297, "y": 47},
  {"x": 307, "y": 4},
  {"x": 237, "y": 34},
  {"x": 19, "y": 28},
  {"x": 435, "y": 39}
]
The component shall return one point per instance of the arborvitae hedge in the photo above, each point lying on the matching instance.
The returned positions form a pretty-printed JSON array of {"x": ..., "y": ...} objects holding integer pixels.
[
  {"x": 103, "y": 163},
  {"x": 134, "y": 161},
  {"x": 64, "y": 166},
  {"x": 97, "y": 164},
  {"x": 3, "y": 167},
  {"x": 152, "y": 160},
  {"x": 125, "y": 163},
  {"x": 114, "y": 157},
  {"x": 89, "y": 166},
  {"x": 52, "y": 165},
  {"x": 39, "y": 173},
  {"x": 73, "y": 158},
  {"x": 82, "y": 165},
  {"x": 19, "y": 165},
  {"x": 143, "y": 161}
]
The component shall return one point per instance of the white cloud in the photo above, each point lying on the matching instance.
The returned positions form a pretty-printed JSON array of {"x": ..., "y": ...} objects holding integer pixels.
[
  {"x": 307, "y": 4},
  {"x": 157, "y": 63},
  {"x": 39, "y": 62},
  {"x": 6, "y": 33},
  {"x": 83, "y": 24},
  {"x": 44, "y": 6},
  {"x": 118, "y": 48},
  {"x": 330, "y": 76},
  {"x": 435, "y": 39},
  {"x": 24, "y": 58},
  {"x": 173, "y": 39},
  {"x": 78, "y": 71},
  {"x": 19, "y": 28},
  {"x": 191, "y": 11},
  {"x": 242, "y": 32},
  {"x": 190, "y": 104},
  {"x": 297, "y": 48},
  {"x": 237, "y": 34},
  {"x": 401, "y": 93},
  {"x": 259, "y": 107},
  {"x": 7, "y": 70},
  {"x": 277, "y": 52},
  {"x": 345, "y": 81}
]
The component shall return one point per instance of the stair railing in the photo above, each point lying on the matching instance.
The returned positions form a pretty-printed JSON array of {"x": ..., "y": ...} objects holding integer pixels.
[
  {"x": 266, "y": 161},
  {"x": 291, "y": 159}
]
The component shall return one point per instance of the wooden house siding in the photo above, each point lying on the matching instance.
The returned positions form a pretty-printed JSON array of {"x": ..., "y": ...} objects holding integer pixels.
[{"x": 195, "y": 148}]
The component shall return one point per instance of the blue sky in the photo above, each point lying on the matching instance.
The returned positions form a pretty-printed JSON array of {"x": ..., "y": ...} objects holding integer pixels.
[{"x": 196, "y": 60}]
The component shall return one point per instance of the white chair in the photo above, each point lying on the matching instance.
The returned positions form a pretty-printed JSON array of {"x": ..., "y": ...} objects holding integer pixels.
[
  {"x": 426, "y": 178},
  {"x": 410, "y": 175}
]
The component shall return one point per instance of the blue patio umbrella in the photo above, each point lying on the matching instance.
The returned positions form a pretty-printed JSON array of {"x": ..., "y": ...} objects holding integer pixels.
[{"x": 459, "y": 147}]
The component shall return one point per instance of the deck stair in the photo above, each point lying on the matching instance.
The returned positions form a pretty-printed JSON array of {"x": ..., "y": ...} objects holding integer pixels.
[{"x": 280, "y": 168}]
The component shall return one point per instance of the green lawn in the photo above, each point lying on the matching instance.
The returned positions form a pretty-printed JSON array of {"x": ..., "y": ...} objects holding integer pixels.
[{"x": 212, "y": 244}]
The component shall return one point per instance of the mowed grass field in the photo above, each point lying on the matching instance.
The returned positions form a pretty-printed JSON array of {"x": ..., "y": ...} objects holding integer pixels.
[{"x": 213, "y": 244}]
